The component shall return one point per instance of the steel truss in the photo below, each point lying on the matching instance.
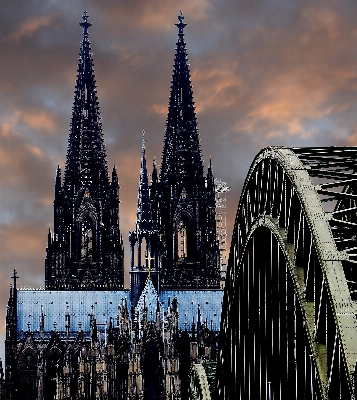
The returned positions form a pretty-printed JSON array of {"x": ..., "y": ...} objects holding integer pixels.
[
  {"x": 199, "y": 387},
  {"x": 289, "y": 327}
]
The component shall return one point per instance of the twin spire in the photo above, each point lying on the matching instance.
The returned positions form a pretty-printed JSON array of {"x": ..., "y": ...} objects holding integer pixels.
[
  {"x": 86, "y": 164},
  {"x": 181, "y": 159},
  {"x": 85, "y": 249},
  {"x": 175, "y": 230}
]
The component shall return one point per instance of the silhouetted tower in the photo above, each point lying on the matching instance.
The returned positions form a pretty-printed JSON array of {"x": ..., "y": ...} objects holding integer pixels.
[
  {"x": 11, "y": 339},
  {"x": 85, "y": 251},
  {"x": 144, "y": 241},
  {"x": 186, "y": 199}
]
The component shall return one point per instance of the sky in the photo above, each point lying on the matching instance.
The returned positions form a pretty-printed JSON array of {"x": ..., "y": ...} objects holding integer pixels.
[{"x": 263, "y": 73}]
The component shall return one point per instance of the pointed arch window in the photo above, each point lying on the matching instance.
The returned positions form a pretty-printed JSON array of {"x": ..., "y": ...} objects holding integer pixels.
[
  {"x": 152, "y": 370},
  {"x": 54, "y": 372},
  {"x": 27, "y": 385},
  {"x": 75, "y": 374},
  {"x": 87, "y": 233},
  {"x": 184, "y": 231},
  {"x": 182, "y": 240},
  {"x": 87, "y": 223}
]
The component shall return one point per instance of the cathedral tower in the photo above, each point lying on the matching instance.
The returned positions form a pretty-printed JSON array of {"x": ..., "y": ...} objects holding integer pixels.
[
  {"x": 185, "y": 197},
  {"x": 84, "y": 336},
  {"x": 144, "y": 240},
  {"x": 85, "y": 251}
]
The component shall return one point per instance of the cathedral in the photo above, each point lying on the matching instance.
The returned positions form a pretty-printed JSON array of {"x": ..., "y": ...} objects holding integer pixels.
[{"x": 84, "y": 336}]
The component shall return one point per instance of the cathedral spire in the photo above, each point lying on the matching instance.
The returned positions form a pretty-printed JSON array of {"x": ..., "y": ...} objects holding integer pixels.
[
  {"x": 85, "y": 250},
  {"x": 86, "y": 165},
  {"x": 181, "y": 160},
  {"x": 184, "y": 198},
  {"x": 144, "y": 218}
]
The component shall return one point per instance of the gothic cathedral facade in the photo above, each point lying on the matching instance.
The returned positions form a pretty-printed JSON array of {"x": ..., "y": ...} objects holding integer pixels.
[{"x": 84, "y": 336}]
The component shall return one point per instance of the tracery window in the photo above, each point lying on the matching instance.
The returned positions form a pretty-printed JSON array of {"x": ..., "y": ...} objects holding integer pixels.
[
  {"x": 152, "y": 371},
  {"x": 27, "y": 388},
  {"x": 54, "y": 372},
  {"x": 182, "y": 240},
  {"x": 86, "y": 240}
]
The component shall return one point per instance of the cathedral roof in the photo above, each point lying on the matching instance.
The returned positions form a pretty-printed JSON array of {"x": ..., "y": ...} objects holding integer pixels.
[
  {"x": 55, "y": 305},
  {"x": 148, "y": 299},
  {"x": 104, "y": 304},
  {"x": 189, "y": 301}
]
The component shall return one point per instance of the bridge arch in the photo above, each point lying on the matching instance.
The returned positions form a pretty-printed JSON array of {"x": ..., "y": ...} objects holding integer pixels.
[
  {"x": 199, "y": 387},
  {"x": 289, "y": 325}
]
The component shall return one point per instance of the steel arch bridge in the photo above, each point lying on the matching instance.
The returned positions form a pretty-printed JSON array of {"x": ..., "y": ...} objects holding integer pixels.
[{"x": 289, "y": 328}]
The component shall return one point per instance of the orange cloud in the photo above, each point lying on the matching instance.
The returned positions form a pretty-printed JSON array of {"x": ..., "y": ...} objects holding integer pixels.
[
  {"x": 29, "y": 27},
  {"x": 38, "y": 119},
  {"x": 157, "y": 15},
  {"x": 216, "y": 87},
  {"x": 20, "y": 248},
  {"x": 27, "y": 161},
  {"x": 41, "y": 120},
  {"x": 159, "y": 109},
  {"x": 19, "y": 239},
  {"x": 352, "y": 139},
  {"x": 8, "y": 124}
]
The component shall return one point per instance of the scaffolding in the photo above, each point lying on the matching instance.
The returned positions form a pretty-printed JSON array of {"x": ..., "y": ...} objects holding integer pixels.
[{"x": 221, "y": 189}]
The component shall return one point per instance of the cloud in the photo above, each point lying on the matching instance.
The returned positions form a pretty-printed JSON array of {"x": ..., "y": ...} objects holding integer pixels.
[
  {"x": 39, "y": 120},
  {"x": 23, "y": 164},
  {"x": 29, "y": 27},
  {"x": 21, "y": 246},
  {"x": 219, "y": 86}
]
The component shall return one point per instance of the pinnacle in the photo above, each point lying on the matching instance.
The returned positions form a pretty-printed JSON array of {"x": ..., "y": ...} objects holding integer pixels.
[{"x": 143, "y": 211}]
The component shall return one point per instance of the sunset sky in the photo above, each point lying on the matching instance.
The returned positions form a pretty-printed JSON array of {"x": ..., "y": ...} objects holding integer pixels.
[{"x": 263, "y": 73}]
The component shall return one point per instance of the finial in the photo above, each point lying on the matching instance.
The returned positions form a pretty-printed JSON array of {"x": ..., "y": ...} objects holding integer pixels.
[
  {"x": 181, "y": 17},
  {"x": 14, "y": 277},
  {"x": 181, "y": 25},
  {"x": 85, "y": 24},
  {"x": 143, "y": 140},
  {"x": 149, "y": 258}
]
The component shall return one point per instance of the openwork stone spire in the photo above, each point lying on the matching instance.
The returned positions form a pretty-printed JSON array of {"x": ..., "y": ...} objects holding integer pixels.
[
  {"x": 85, "y": 251},
  {"x": 86, "y": 165},
  {"x": 181, "y": 158},
  {"x": 144, "y": 218},
  {"x": 184, "y": 197},
  {"x": 145, "y": 239}
]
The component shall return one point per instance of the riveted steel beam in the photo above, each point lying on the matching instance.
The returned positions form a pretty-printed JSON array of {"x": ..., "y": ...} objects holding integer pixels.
[{"x": 310, "y": 250}]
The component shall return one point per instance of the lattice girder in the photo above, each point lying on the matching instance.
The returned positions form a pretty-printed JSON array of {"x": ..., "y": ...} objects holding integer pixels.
[{"x": 281, "y": 204}]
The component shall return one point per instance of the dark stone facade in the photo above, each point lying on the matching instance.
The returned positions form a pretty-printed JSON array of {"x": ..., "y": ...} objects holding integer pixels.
[{"x": 86, "y": 337}]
